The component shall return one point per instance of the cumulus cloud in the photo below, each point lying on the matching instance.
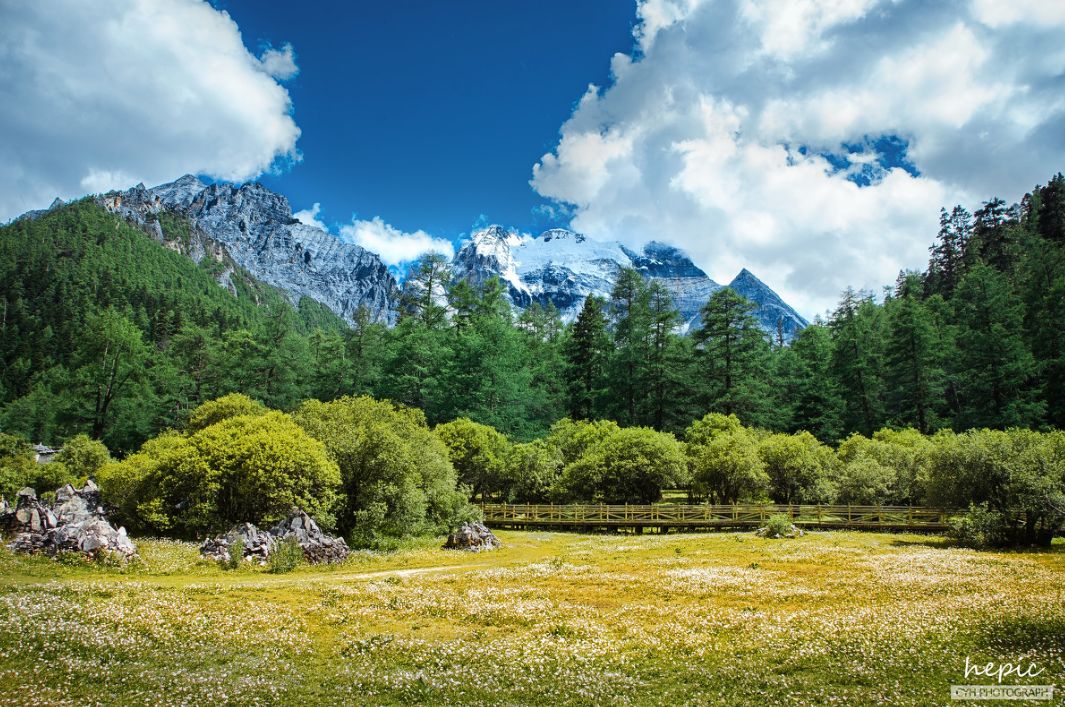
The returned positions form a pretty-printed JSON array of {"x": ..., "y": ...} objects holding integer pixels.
[
  {"x": 310, "y": 217},
  {"x": 280, "y": 63},
  {"x": 393, "y": 245},
  {"x": 737, "y": 129},
  {"x": 97, "y": 98}
]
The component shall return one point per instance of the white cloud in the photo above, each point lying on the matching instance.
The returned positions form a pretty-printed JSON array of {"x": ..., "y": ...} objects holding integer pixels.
[
  {"x": 393, "y": 245},
  {"x": 97, "y": 98},
  {"x": 309, "y": 217},
  {"x": 280, "y": 63},
  {"x": 697, "y": 140}
]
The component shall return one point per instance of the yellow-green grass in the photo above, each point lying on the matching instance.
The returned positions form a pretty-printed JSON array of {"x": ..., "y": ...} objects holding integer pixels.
[{"x": 551, "y": 618}]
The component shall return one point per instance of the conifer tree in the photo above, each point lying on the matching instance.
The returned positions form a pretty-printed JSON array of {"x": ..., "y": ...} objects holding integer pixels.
[
  {"x": 996, "y": 370},
  {"x": 587, "y": 351},
  {"x": 734, "y": 359}
]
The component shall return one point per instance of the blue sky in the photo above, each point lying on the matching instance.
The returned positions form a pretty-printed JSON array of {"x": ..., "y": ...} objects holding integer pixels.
[
  {"x": 430, "y": 114},
  {"x": 810, "y": 141}
]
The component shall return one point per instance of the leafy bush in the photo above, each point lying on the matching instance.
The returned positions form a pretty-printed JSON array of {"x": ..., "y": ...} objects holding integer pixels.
[
  {"x": 903, "y": 452},
  {"x": 1018, "y": 474},
  {"x": 286, "y": 556},
  {"x": 799, "y": 468},
  {"x": 532, "y": 471},
  {"x": 83, "y": 457},
  {"x": 214, "y": 411},
  {"x": 632, "y": 465},
  {"x": 478, "y": 453},
  {"x": 236, "y": 555},
  {"x": 980, "y": 528},
  {"x": 725, "y": 465},
  {"x": 397, "y": 479},
  {"x": 778, "y": 526},
  {"x": 242, "y": 469},
  {"x": 864, "y": 481},
  {"x": 18, "y": 469}
]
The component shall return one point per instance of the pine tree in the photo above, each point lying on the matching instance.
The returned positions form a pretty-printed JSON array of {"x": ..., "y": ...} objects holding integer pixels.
[
  {"x": 913, "y": 357},
  {"x": 946, "y": 264},
  {"x": 734, "y": 359},
  {"x": 664, "y": 367},
  {"x": 856, "y": 328},
  {"x": 807, "y": 392},
  {"x": 996, "y": 370},
  {"x": 587, "y": 351},
  {"x": 631, "y": 328}
]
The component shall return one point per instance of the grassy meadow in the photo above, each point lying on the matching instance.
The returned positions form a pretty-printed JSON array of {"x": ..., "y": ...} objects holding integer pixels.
[{"x": 724, "y": 618}]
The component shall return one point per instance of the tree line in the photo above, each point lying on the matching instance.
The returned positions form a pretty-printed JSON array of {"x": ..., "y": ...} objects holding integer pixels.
[{"x": 108, "y": 333}]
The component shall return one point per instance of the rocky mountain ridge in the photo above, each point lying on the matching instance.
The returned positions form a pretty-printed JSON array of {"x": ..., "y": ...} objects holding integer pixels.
[
  {"x": 257, "y": 230},
  {"x": 563, "y": 268},
  {"x": 253, "y": 228}
]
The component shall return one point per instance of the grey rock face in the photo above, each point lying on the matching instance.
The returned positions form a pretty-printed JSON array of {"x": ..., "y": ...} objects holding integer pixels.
[
  {"x": 317, "y": 546},
  {"x": 257, "y": 544},
  {"x": 774, "y": 314},
  {"x": 76, "y": 523},
  {"x": 473, "y": 537},
  {"x": 256, "y": 229}
]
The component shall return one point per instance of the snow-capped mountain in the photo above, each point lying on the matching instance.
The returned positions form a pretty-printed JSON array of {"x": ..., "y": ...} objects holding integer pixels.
[
  {"x": 256, "y": 229},
  {"x": 563, "y": 268}
]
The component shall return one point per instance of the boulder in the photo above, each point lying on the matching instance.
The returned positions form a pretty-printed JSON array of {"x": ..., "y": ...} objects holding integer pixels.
[
  {"x": 318, "y": 547},
  {"x": 76, "y": 523},
  {"x": 257, "y": 544},
  {"x": 473, "y": 537}
]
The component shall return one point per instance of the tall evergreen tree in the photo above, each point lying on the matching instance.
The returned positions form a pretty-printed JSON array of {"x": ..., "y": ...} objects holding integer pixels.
[
  {"x": 664, "y": 369},
  {"x": 630, "y": 324},
  {"x": 856, "y": 328},
  {"x": 587, "y": 351},
  {"x": 995, "y": 368},
  {"x": 734, "y": 359},
  {"x": 946, "y": 264},
  {"x": 913, "y": 358},
  {"x": 807, "y": 392}
]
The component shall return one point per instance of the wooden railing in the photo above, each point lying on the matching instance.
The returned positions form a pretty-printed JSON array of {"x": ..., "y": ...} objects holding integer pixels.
[{"x": 712, "y": 516}]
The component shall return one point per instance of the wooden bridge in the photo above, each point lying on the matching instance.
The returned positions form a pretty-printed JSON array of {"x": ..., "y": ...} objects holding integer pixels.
[{"x": 692, "y": 517}]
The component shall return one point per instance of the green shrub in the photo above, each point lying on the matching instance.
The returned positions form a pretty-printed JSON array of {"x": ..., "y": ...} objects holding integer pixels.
[
  {"x": 214, "y": 411},
  {"x": 82, "y": 456},
  {"x": 532, "y": 471},
  {"x": 236, "y": 555},
  {"x": 478, "y": 453},
  {"x": 242, "y": 469},
  {"x": 799, "y": 468},
  {"x": 1019, "y": 474},
  {"x": 396, "y": 477},
  {"x": 725, "y": 466},
  {"x": 778, "y": 526},
  {"x": 980, "y": 528},
  {"x": 865, "y": 482},
  {"x": 286, "y": 556},
  {"x": 632, "y": 465}
]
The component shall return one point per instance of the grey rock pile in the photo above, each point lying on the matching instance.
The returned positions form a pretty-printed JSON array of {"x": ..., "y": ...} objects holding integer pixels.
[
  {"x": 317, "y": 546},
  {"x": 473, "y": 537},
  {"x": 75, "y": 523},
  {"x": 257, "y": 544}
]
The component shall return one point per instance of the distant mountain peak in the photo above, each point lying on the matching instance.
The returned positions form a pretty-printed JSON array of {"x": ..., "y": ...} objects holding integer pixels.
[
  {"x": 558, "y": 234},
  {"x": 773, "y": 313}
]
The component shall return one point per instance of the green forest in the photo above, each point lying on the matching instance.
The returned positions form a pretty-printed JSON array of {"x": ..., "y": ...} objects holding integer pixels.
[
  {"x": 106, "y": 332},
  {"x": 944, "y": 390}
]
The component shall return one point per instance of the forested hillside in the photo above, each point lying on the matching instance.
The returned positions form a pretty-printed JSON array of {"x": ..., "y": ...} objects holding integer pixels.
[{"x": 108, "y": 332}]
